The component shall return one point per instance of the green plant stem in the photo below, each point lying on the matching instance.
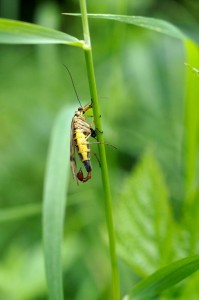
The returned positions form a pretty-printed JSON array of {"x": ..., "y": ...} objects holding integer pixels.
[{"x": 102, "y": 151}]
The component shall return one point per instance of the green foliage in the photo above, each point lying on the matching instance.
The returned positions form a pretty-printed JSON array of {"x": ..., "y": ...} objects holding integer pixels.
[
  {"x": 149, "y": 23},
  {"x": 12, "y": 214},
  {"x": 191, "y": 123},
  {"x": 156, "y": 203},
  {"x": 24, "y": 268},
  {"x": 165, "y": 278},
  {"x": 147, "y": 236},
  {"x": 55, "y": 186},
  {"x": 143, "y": 219},
  {"x": 15, "y": 32}
]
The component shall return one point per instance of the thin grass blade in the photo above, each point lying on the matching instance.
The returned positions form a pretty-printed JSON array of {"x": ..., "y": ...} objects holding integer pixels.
[
  {"x": 191, "y": 121},
  {"x": 149, "y": 23},
  {"x": 55, "y": 187},
  {"x": 165, "y": 278},
  {"x": 16, "y": 32}
]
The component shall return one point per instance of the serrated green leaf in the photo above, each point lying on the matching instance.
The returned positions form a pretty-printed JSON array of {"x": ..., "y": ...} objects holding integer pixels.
[
  {"x": 165, "y": 278},
  {"x": 149, "y": 23},
  {"x": 54, "y": 199},
  {"x": 143, "y": 219},
  {"x": 16, "y": 32}
]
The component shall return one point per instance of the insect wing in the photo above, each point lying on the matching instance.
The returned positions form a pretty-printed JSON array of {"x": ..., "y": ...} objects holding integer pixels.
[{"x": 72, "y": 152}]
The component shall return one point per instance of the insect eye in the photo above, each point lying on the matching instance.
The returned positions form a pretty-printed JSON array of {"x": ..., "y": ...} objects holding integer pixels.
[{"x": 80, "y": 109}]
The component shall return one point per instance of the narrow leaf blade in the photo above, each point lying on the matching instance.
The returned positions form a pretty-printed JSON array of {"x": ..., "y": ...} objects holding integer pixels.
[
  {"x": 54, "y": 198},
  {"x": 164, "y": 278},
  {"x": 191, "y": 122},
  {"x": 149, "y": 23},
  {"x": 16, "y": 32}
]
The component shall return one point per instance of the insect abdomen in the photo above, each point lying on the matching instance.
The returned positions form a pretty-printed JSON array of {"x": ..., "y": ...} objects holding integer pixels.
[
  {"x": 82, "y": 145},
  {"x": 87, "y": 164}
]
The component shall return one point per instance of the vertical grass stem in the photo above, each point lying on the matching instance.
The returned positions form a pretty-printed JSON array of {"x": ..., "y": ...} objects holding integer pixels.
[{"x": 102, "y": 152}]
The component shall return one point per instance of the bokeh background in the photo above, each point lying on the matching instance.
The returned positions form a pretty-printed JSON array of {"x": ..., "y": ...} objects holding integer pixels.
[{"x": 140, "y": 79}]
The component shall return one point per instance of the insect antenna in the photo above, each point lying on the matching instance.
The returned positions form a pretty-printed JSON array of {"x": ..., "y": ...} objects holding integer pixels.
[{"x": 72, "y": 83}]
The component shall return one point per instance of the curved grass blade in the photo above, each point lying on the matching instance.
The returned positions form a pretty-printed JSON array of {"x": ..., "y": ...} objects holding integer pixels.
[
  {"x": 164, "y": 278},
  {"x": 16, "y": 32},
  {"x": 149, "y": 23},
  {"x": 54, "y": 198}
]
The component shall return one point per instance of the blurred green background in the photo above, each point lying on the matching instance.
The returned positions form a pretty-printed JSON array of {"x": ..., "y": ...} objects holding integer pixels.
[{"x": 140, "y": 78}]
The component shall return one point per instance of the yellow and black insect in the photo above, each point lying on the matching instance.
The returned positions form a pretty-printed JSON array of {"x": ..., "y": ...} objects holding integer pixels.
[
  {"x": 79, "y": 140},
  {"x": 80, "y": 133}
]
